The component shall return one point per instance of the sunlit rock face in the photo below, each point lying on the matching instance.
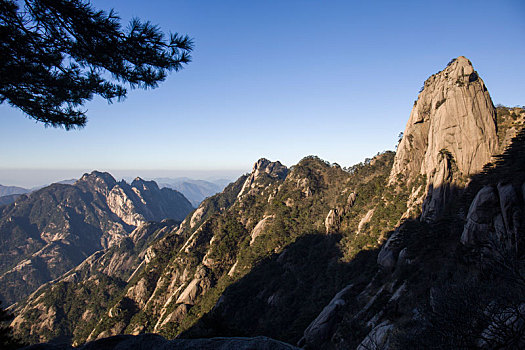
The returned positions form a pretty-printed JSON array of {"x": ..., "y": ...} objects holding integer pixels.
[
  {"x": 450, "y": 135},
  {"x": 263, "y": 171}
]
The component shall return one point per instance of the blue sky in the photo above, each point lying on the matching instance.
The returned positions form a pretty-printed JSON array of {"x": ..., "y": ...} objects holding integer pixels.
[{"x": 277, "y": 79}]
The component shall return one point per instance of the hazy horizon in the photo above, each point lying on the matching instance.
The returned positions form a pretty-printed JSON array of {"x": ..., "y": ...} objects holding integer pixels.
[
  {"x": 275, "y": 79},
  {"x": 29, "y": 178}
]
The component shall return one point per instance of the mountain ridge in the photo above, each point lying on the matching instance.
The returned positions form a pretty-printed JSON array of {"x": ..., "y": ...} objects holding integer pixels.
[
  {"x": 49, "y": 231},
  {"x": 379, "y": 255}
]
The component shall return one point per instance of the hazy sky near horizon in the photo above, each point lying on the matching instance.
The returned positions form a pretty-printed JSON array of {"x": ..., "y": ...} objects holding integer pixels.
[{"x": 277, "y": 79}]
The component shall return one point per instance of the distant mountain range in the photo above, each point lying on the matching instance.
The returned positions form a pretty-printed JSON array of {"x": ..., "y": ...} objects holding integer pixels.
[
  {"x": 9, "y": 190},
  {"x": 422, "y": 248},
  {"x": 8, "y": 194},
  {"x": 49, "y": 231},
  {"x": 195, "y": 190}
]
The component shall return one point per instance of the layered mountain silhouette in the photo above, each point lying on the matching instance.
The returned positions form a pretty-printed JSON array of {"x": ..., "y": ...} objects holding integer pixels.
[
  {"x": 195, "y": 190},
  {"x": 10, "y": 190},
  {"x": 8, "y": 194},
  {"x": 418, "y": 249},
  {"x": 48, "y": 232}
]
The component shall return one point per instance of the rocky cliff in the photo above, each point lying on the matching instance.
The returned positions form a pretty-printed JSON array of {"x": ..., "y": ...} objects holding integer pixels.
[
  {"x": 52, "y": 230},
  {"x": 262, "y": 225},
  {"x": 455, "y": 282},
  {"x": 441, "y": 272},
  {"x": 450, "y": 135},
  {"x": 414, "y": 250},
  {"x": 64, "y": 308}
]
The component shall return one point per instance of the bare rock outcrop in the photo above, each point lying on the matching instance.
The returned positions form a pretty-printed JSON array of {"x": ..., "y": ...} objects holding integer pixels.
[
  {"x": 331, "y": 221},
  {"x": 258, "y": 230},
  {"x": 482, "y": 215},
  {"x": 321, "y": 329},
  {"x": 495, "y": 218},
  {"x": 512, "y": 213},
  {"x": 365, "y": 220},
  {"x": 263, "y": 169},
  {"x": 63, "y": 224},
  {"x": 378, "y": 338},
  {"x": 389, "y": 252},
  {"x": 124, "y": 207},
  {"x": 197, "y": 216},
  {"x": 351, "y": 199},
  {"x": 450, "y": 135}
]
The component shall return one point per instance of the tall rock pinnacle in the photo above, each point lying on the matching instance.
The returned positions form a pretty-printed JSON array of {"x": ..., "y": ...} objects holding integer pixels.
[{"x": 450, "y": 135}]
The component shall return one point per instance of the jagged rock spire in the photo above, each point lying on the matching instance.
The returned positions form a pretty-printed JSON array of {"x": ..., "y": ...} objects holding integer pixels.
[{"x": 451, "y": 132}]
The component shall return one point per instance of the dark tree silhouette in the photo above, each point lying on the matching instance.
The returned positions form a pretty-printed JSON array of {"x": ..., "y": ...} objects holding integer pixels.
[{"x": 57, "y": 54}]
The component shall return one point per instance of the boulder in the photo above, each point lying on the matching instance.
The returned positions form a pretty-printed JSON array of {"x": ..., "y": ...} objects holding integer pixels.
[
  {"x": 388, "y": 254},
  {"x": 321, "y": 329},
  {"x": 481, "y": 214},
  {"x": 378, "y": 337}
]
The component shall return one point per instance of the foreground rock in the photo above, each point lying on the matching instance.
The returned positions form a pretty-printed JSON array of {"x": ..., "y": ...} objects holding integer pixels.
[{"x": 154, "y": 341}]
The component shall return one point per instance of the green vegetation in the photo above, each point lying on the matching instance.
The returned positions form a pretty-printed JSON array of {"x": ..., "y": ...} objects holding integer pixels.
[
  {"x": 290, "y": 271},
  {"x": 60, "y": 54},
  {"x": 284, "y": 291},
  {"x": 509, "y": 121},
  {"x": 476, "y": 291},
  {"x": 229, "y": 234},
  {"x": 284, "y": 276},
  {"x": 292, "y": 268},
  {"x": 80, "y": 299},
  {"x": 387, "y": 202},
  {"x": 60, "y": 225},
  {"x": 294, "y": 233}
]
